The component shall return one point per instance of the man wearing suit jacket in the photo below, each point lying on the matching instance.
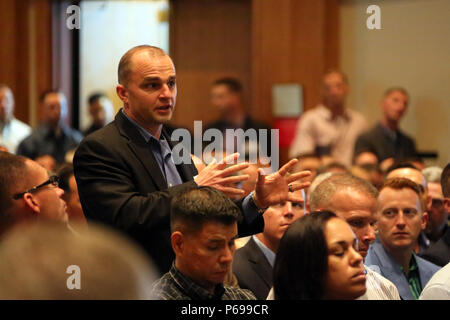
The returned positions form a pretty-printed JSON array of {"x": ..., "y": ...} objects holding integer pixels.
[
  {"x": 401, "y": 216},
  {"x": 253, "y": 263},
  {"x": 126, "y": 173}
]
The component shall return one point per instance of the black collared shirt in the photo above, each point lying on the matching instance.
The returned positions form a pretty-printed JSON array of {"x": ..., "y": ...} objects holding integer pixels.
[{"x": 175, "y": 286}]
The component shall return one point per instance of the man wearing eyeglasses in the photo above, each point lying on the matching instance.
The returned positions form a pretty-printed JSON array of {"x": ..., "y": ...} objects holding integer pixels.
[
  {"x": 27, "y": 193},
  {"x": 401, "y": 215}
]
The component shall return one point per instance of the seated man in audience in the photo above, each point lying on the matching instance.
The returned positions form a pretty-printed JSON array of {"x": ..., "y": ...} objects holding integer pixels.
[
  {"x": 439, "y": 253},
  {"x": 203, "y": 223},
  {"x": 52, "y": 136},
  {"x": 401, "y": 216},
  {"x": 27, "y": 193},
  {"x": 100, "y": 110},
  {"x": 308, "y": 161},
  {"x": 408, "y": 171},
  {"x": 365, "y": 157},
  {"x": 386, "y": 140},
  {"x": 330, "y": 129},
  {"x": 354, "y": 200},
  {"x": 12, "y": 131},
  {"x": 253, "y": 263}
]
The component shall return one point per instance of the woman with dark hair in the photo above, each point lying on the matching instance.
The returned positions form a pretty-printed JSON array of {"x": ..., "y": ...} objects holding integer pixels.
[{"x": 317, "y": 259}]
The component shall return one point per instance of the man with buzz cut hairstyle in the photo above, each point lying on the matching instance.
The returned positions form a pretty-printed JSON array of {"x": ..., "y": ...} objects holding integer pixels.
[
  {"x": 204, "y": 226},
  {"x": 386, "y": 140},
  {"x": 401, "y": 216},
  {"x": 354, "y": 200}
]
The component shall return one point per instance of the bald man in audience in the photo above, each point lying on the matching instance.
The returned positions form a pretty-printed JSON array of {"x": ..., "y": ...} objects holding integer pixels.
[
  {"x": 12, "y": 131},
  {"x": 27, "y": 193},
  {"x": 354, "y": 200},
  {"x": 401, "y": 215}
]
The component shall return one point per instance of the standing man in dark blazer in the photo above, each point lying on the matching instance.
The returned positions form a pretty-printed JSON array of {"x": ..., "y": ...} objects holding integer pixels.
[{"x": 126, "y": 173}]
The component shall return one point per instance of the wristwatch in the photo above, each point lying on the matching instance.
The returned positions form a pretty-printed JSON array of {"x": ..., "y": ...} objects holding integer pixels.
[{"x": 252, "y": 201}]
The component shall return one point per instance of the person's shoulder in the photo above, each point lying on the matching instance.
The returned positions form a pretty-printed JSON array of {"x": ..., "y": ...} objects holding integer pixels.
[
  {"x": 234, "y": 293},
  {"x": 19, "y": 125},
  {"x": 425, "y": 264},
  {"x": 163, "y": 289}
]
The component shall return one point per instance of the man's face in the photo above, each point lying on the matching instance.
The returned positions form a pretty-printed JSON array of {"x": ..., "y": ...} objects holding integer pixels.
[
  {"x": 278, "y": 218},
  {"x": 74, "y": 208},
  {"x": 49, "y": 198},
  {"x": 52, "y": 108},
  {"x": 400, "y": 218},
  {"x": 97, "y": 111},
  {"x": 359, "y": 211},
  {"x": 223, "y": 99},
  {"x": 150, "y": 94},
  {"x": 334, "y": 89},
  {"x": 345, "y": 278},
  {"x": 207, "y": 254},
  {"x": 6, "y": 103},
  {"x": 394, "y": 106},
  {"x": 437, "y": 215}
]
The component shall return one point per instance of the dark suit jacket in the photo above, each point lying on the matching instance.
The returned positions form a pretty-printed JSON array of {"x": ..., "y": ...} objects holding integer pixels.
[
  {"x": 120, "y": 184},
  {"x": 439, "y": 253},
  {"x": 378, "y": 141},
  {"x": 253, "y": 271}
]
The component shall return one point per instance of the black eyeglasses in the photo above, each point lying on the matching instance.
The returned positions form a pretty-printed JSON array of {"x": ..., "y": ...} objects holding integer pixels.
[{"x": 54, "y": 180}]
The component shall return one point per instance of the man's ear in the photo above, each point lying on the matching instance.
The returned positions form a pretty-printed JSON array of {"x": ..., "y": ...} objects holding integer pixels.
[
  {"x": 429, "y": 202},
  {"x": 424, "y": 220},
  {"x": 177, "y": 238},
  {"x": 447, "y": 204},
  {"x": 122, "y": 92},
  {"x": 31, "y": 203}
]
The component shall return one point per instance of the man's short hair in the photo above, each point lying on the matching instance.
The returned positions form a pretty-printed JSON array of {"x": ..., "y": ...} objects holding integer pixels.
[
  {"x": 124, "y": 68},
  {"x": 13, "y": 170},
  {"x": 404, "y": 183},
  {"x": 45, "y": 93},
  {"x": 342, "y": 74},
  {"x": 445, "y": 181},
  {"x": 94, "y": 97},
  {"x": 400, "y": 165},
  {"x": 395, "y": 89},
  {"x": 322, "y": 196},
  {"x": 191, "y": 209},
  {"x": 233, "y": 84}
]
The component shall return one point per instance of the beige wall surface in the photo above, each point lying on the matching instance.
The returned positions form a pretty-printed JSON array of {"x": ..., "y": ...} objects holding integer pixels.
[{"x": 411, "y": 50}]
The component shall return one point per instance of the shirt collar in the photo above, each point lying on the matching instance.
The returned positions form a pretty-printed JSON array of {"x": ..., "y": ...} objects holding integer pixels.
[
  {"x": 390, "y": 133},
  {"x": 326, "y": 113},
  {"x": 145, "y": 134},
  {"x": 192, "y": 289},
  {"x": 269, "y": 254}
]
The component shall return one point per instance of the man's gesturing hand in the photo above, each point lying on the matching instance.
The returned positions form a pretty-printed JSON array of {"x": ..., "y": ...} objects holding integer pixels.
[
  {"x": 274, "y": 188},
  {"x": 218, "y": 176}
]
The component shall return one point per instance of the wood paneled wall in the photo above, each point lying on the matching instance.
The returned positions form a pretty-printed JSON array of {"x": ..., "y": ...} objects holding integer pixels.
[
  {"x": 26, "y": 53},
  {"x": 263, "y": 42}
]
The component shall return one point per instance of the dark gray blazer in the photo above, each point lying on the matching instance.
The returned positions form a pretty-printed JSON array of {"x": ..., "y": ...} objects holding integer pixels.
[
  {"x": 252, "y": 270},
  {"x": 439, "y": 253}
]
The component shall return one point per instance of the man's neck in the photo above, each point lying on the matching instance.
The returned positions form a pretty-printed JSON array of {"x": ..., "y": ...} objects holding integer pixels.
[
  {"x": 390, "y": 124},
  {"x": 335, "y": 109},
  {"x": 154, "y": 129},
  {"x": 208, "y": 287},
  {"x": 236, "y": 118},
  {"x": 269, "y": 244},
  {"x": 401, "y": 256}
]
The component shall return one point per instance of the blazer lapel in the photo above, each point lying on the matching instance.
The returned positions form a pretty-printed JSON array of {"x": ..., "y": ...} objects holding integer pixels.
[
  {"x": 392, "y": 271},
  {"x": 141, "y": 149},
  {"x": 260, "y": 263}
]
